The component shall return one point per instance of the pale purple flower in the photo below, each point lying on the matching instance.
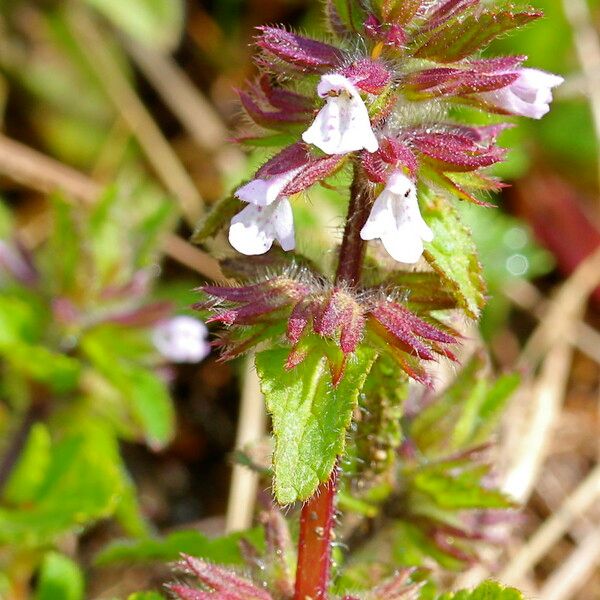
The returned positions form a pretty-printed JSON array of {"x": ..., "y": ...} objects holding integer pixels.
[
  {"x": 529, "y": 96},
  {"x": 182, "y": 339},
  {"x": 395, "y": 219},
  {"x": 343, "y": 124}
]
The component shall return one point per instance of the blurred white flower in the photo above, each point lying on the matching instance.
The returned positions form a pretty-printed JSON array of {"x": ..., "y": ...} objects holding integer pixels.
[
  {"x": 529, "y": 96},
  {"x": 395, "y": 219},
  {"x": 182, "y": 339},
  {"x": 343, "y": 124}
]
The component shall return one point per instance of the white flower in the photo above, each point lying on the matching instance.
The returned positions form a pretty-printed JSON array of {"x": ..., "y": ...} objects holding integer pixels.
[
  {"x": 395, "y": 220},
  {"x": 182, "y": 340},
  {"x": 529, "y": 96},
  {"x": 343, "y": 124},
  {"x": 254, "y": 230},
  {"x": 262, "y": 192}
]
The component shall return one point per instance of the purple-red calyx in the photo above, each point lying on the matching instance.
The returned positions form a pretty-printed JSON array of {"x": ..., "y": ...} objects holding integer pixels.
[{"x": 315, "y": 312}]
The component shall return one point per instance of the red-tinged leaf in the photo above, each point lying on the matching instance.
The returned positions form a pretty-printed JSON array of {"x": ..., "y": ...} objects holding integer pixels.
[
  {"x": 295, "y": 357},
  {"x": 446, "y": 11},
  {"x": 293, "y": 157},
  {"x": 400, "y": 11},
  {"x": 223, "y": 581},
  {"x": 246, "y": 315},
  {"x": 340, "y": 312},
  {"x": 187, "y": 593},
  {"x": 334, "y": 20},
  {"x": 143, "y": 316},
  {"x": 285, "y": 99},
  {"x": 455, "y": 152},
  {"x": 396, "y": 333},
  {"x": 369, "y": 75},
  {"x": 280, "y": 119},
  {"x": 459, "y": 38},
  {"x": 317, "y": 170},
  {"x": 391, "y": 156},
  {"x": 457, "y": 82},
  {"x": 307, "y": 54},
  {"x": 301, "y": 314}
]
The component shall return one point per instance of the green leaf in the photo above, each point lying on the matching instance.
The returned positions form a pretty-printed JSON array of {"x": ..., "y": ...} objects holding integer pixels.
[
  {"x": 157, "y": 23},
  {"x": 466, "y": 414},
  {"x": 82, "y": 484},
  {"x": 456, "y": 39},
  {"x": 488, "y": 590},
  {"x": 57, "y": 371},
  {"x": 146, "y": 596},
  {"x": 30, "y": 470},
  {"x": 223, "y": 550},
  {"x": 219, "y": 216},
  {"x": 310, "y": 417},
  {"x": 143, "y": 392},
  {"x": 453, "y": 255},
  {"x": 60, "y": 578},
  {"x": 453, "y": 488}
]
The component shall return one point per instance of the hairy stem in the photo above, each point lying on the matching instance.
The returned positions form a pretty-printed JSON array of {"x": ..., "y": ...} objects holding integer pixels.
[{"x": 318, "y": 514}]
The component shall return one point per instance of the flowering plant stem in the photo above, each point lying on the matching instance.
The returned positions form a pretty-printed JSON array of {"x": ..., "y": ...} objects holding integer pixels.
[{"x": 318, "y": 514}]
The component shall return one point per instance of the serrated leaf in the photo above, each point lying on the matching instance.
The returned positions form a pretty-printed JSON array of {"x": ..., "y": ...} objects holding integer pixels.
[
  {"x": 218, "y": 218},
  {"x": 453, "y": 254},
  {"x": 460, "y": 37},
  {"x": 157, "y": 23},
  {"x": 466, "y": 414},
  {"x": 59, "y": 577},
  {"x": 488, "y": 590},
  {"x": 223, "y": 550},
  {"x": 29, "y": 472},
  {"x": 310, "y": 417}
]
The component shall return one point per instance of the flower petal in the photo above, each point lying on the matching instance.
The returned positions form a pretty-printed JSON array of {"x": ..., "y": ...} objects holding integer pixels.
[
  {"x": 182, "y": 339},
  {"x": 343, "y": 124},
  {"x": 255, "y": 228},
  {"x": 395, "y": 220}
]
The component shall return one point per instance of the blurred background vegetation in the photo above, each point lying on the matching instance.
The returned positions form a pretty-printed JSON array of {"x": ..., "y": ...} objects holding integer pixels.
[{"x": 116, "y": 117}]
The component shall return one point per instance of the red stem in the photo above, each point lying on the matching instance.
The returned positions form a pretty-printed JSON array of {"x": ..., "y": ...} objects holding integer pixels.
[{"x": 318, "y": 514}]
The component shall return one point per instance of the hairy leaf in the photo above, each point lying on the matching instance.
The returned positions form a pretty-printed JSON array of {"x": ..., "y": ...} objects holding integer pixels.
[
  {"x": 488, "y": 590},
  {"x": 310, "y": 417},
  {"x": 453, "y": 255}
]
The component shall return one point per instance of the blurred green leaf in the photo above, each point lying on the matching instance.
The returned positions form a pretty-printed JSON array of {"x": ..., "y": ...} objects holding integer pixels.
[
  {"x": 158, "y": 23},
  {"x": 454, "y": 488},
  {"x": 82, "y": 484},
  {"x": 113, "y": 351},
  {"x": 453, "y": 255},
  {"x": 59, "y": 577},
  {"x": 310, "y": 416},
  {"x": 146, "y": 596},
  {"x": 218, "y": 217},
  {"x": 489, "y": 590},
  {"x": 465, "y": 415},
  {"x": 30, "y": 470},
  {"x": 223, "y": 550}
]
